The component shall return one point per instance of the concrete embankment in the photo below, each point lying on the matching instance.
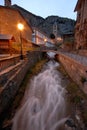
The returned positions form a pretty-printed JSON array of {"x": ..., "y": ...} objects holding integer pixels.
[
  {"x": 76, "y": 68},
  {"x": 11, "y": 78}
]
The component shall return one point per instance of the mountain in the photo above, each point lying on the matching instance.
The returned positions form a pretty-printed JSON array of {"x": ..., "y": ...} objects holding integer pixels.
[{"x": 64, "y": 25}]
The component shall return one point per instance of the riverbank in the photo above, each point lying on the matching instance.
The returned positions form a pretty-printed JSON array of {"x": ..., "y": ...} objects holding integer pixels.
[
  {"x": 76, "y": 99},
  {"x": 17, "y": 101}
]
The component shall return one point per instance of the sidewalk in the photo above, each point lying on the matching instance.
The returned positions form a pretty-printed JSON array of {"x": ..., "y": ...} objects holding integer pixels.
[
  {"x": 2, "y": 56},
  {"x": 79, "y": 58}
]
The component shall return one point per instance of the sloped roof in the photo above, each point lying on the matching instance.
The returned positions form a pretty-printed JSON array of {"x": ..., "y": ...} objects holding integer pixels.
[
  {"x": 39, "y": 30},
  {"x": 6, "y": 37},
  {"x": 78, "y": 5}
]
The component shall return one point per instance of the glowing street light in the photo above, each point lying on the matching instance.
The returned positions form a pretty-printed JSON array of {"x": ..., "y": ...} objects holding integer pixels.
[
  {"x": 45, "y": 40},
  {"x": 21, "y": 27}
]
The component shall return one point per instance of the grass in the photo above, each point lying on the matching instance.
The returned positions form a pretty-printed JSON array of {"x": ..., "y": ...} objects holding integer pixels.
[
  {"x": 75, "y": 95},
  {"x": 84, "y": 114},
  {"x": 83, "y": 79},
  {"x": 72, "y": 87},
  {"x": 62, "y": 70}
]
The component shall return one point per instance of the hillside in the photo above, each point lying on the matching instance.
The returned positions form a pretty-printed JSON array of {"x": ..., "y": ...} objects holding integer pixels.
[{"x": 65, "y": 25}]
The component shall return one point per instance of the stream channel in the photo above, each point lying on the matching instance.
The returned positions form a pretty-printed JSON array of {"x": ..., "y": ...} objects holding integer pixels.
[{"x": 44, "y": 104}]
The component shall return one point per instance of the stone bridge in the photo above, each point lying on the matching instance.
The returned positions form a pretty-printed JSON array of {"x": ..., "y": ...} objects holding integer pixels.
[{"x": 46, "y": 49}]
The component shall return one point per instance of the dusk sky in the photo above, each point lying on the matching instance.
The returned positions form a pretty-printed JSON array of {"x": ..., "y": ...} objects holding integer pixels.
[{"x": 44, "y": 8}]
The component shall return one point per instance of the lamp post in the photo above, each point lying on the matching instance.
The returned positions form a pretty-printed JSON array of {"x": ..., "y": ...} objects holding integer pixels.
[
  {"x": 21, "y": 27},
  {"x": 45, "y": 40}
]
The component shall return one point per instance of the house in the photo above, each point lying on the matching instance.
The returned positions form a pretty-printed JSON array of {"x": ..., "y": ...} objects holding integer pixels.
[
  {"x": 39, "y": 37},
  {"x": 68, "y": 41},
  {"x": 68, "y": 37},
  {"x": 81, "y": 25},
  {"x": 6, "y": 41},
  {"x": 9, "y": 19}
]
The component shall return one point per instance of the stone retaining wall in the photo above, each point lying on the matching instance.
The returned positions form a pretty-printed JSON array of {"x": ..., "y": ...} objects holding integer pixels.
[
  {"x": 12, "y": 86},
  {"x": 7, "y": 73},
  {"x": 75, "y": 70},
  {"x": 82, "y": 52},
  {"x": 6, "y": 62}
]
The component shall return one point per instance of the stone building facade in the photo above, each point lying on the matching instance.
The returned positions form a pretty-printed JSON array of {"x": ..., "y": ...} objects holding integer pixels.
[
  {"x": 81, "y": 24},
  {"x": 9, "y": 19}
]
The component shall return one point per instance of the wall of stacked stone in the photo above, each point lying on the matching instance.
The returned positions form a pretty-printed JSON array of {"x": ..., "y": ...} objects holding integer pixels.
[
  {"x": 82, "y": 52},
  {"x": 12, "y": 86},
  {"x": 7, "y": 62},
  {"x": 7, "y": 73},
  {"x": 75, "y": 70}
]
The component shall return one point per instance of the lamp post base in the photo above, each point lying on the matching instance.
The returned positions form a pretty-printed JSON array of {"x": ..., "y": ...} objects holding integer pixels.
[{"x": 21, "y": 57}]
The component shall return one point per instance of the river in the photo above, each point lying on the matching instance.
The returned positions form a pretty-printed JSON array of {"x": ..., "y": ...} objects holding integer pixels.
[{"x": 44, "y": 103}]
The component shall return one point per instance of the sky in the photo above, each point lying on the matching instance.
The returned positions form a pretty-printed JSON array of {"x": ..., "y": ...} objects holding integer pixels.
[{"x": 45, "y": 8}]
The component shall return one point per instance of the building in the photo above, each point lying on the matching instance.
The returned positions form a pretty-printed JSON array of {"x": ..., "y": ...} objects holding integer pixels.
[
  {"x": 81, "y": 25},
  {"x": 55, "y": 29},
  {"x": 68, "y": 37},
  {"x": 7, "y": 2},
  {"x": 6, "y": 43},
  {"x": 40, "y": 38},
  {"x": 9, "y": 19},
  {"x": 68, "y": 41}
]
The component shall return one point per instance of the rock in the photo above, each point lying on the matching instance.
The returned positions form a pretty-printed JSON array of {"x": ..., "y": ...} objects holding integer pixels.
[{"x": 70, "y": 123}]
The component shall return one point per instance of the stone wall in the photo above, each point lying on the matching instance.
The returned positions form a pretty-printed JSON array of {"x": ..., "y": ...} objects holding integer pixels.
[
  {"x": 81, "y": 25},
  {"x": 11, "y": 87},
  {"x": 7, "y": 62},
  {"x": 75, "y": 70},
  {"x": 82, "y": 52}
]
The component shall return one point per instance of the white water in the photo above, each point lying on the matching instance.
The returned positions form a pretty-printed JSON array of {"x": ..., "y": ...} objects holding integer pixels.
[{"x": 43, "y": 104}]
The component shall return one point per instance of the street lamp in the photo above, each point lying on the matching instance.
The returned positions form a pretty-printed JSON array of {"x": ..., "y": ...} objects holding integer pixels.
[
  {"x": 45, "y": 40},
  {"x": 21, "y": 27}
]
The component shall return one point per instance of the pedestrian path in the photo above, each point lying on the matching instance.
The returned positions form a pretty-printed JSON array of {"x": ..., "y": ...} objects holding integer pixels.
[
  {"x": 4, "y": 55},
  {"x": 7, "y": 55},
  {"x": 79, "y": 58}
]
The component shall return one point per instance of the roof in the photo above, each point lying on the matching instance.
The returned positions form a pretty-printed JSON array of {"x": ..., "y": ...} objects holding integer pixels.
[
  {"x": 6, "y": 37},
  {"x": 38, "y": 29},
  {"x": 78, "y": 5},
  {"x": 68, "y": 33}
]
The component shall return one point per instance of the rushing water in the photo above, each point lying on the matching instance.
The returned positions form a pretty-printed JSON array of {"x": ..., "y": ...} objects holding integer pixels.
[{"x": 44, "y": 104}]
